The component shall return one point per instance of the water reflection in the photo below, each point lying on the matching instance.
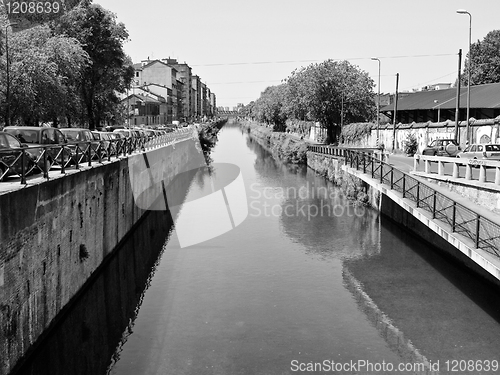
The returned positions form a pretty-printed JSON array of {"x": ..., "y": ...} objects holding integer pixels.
[
  {"x": 435, "y": 304},
  {"x": 85, "y": 339},
  {"x": 312, "y": 211}
]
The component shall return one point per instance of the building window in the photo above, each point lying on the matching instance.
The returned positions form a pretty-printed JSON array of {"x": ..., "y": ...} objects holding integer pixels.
[{"x": 137, "y": 74}]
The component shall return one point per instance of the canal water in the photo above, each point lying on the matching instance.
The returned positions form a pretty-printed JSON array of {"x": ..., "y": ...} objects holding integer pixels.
[{"x": 307, "y": 281}]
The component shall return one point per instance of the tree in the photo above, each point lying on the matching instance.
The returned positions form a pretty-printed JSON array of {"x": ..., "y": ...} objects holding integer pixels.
[
  {"x": 485, "y": 60},
  {"x": 110, "y": 72},
  {"x": 43, "y": 69},
  {"x": 269, "y": 107},
  {"x": 332, "y": 93}
]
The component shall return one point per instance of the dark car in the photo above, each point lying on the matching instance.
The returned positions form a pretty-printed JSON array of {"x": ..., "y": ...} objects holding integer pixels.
[
  {"x": 442, "y": 147},
  {"x": 36, "y": 137},
  {"x": 80, "y": 138},
  {"x": 11, "y": 154}
]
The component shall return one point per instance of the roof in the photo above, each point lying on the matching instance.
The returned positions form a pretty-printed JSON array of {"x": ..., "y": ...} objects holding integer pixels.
[{"x": 481, "y": 96}]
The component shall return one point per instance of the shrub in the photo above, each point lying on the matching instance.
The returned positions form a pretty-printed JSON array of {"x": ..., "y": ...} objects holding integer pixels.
[{"x": 411, "y": 144}]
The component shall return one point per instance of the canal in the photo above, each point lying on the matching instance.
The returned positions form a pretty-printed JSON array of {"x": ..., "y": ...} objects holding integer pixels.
[{"x": 306, "y": 279}]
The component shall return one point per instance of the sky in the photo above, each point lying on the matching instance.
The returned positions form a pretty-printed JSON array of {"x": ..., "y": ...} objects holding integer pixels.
[{"x": 238, "y": 48}]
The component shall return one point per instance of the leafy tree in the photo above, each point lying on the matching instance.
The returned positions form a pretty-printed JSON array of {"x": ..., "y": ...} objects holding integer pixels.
[
  {"x": 269, "y": 107},
  {"x": 332, "y": 93},
  {"x": 110, "y": 72},
  {"x": 43, "y": 69},
  {"x": 485, "y": 58}
]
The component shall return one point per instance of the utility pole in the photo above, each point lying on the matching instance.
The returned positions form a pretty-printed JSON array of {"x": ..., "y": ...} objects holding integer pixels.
[
  {"x": 457, "y": 107},
  {"x": 395, "y": 115}
]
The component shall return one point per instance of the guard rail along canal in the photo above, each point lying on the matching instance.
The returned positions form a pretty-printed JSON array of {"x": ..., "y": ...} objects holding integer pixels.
[{"x": 474, "y": 239}]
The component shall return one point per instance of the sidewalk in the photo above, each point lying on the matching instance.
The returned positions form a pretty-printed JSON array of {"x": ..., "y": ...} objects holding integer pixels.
[{"x": 405, "y": 164}]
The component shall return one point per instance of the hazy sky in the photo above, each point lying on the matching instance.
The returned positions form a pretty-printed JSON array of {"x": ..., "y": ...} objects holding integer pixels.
[{"x": 239, "y": 48}]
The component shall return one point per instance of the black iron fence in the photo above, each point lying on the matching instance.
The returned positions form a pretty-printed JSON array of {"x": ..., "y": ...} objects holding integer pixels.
[
  {"x": 484, "y": 233},
  {"x": 31, "y": 160}
]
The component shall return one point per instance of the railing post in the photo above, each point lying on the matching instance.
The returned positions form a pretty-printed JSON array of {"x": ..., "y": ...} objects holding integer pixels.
[
  {"x": 99, "y": 154},
  {"x": 468, "y": 171},
  {"x": 23, "y": 167},
  {"x": 89, "y": 153},
  {"x": 455, "y": 170},
  {"x": 482, "y": 173},
  {"x": 404, "y": 185},
  {"x": 440, "y": 168},
  {"x": 418, "y": 194},
  {"x": 364, "y": 162},
  {"x": 77, "y": 165},
  {"x": 381, "y": 171},
  {"x": 497, "y": 176},
  {"x": 62, "y": 160},
  {"x": 454, "y": 217},
  {"x": 434, "y": 205},
  {"x": 45, "y": 164},
  {"x": 478, "y": 228},
  {"x": 392, "y": 178},
  {"x": 427, "y": 166}
]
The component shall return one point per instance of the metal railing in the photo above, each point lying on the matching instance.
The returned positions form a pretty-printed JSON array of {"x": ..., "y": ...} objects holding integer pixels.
[
  {"x": 41, "y": 159},
  {"x": 484, "y": 233}
]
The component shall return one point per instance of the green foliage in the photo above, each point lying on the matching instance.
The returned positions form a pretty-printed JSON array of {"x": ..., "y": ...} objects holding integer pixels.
[
  {"x": 269, "y": 107},
  {"x": 44, "y": 71},
  {"x": 207, "y": 135},
  {"x": 411, "y": 144},
  {"x": 485, "y": 60},
  {"x": 102, "y": 38},
  {"x": 354, "y": 132},
  {"x": 299, "y": 127},
  {"x": 331, "y": 92}
]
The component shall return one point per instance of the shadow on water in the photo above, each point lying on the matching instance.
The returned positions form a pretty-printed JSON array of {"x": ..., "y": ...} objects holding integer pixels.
[
  {"x": 446, "y": 311},
  {"x": 84, "y": 340}
]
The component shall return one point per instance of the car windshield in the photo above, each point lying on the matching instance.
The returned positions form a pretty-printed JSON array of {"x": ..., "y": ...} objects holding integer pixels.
[
  {"x": 25, "y": 136},
  {"x": 73, "y": 135}
]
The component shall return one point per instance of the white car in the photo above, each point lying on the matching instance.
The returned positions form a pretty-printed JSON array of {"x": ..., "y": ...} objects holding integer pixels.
[{"x": 481, "y": 151}]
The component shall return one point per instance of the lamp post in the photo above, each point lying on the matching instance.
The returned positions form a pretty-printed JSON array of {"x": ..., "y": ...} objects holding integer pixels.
[
  {"x": 378, "y": 100},
  {"x": 438, "y": 108},
  {"x": 7, "y": 86},
  {"x": 463, "y": 11}
]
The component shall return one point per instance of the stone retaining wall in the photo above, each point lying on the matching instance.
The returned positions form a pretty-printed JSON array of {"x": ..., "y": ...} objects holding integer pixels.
[{"x": 55, "y": 234}]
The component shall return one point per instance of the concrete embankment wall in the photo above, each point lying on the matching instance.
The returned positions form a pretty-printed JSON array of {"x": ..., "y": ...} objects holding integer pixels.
[
  {"x": 405, "y": 214},
  {"x": 55, "y": 234}
]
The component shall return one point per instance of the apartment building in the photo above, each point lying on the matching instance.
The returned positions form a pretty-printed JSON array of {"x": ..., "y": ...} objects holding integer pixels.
[{"x": 185, "y": 97}]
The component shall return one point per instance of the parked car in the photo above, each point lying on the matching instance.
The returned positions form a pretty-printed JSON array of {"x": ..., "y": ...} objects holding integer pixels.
[
  {"x": 481, "y": 151},
  {"x": 10, "y": 156},
  {"x": 442, "y": 147},
  {"x": 39, "y": 136},
  {"x": 79, "y": 137},
  {"x": 125, "y": 132},
  {"x": 104, "y": 139}
]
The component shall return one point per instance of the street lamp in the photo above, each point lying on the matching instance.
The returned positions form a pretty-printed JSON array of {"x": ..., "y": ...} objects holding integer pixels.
[
  {"x": 378, "y": 99},
  {"x": 463, "y": 11},
  {"x": 7, "y": 93}
]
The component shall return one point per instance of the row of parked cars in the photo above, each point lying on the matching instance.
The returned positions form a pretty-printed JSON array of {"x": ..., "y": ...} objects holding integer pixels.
[
  {"x": 450, "y": 148},
  {"x": 78, "y": 141}
]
